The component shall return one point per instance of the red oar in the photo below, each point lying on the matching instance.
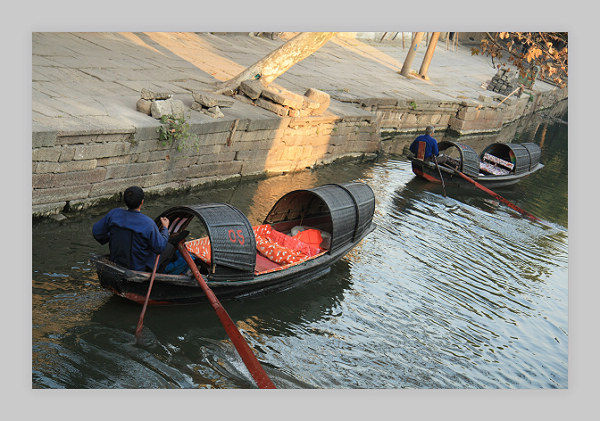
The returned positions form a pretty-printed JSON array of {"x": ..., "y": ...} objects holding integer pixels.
[
  {"x": 500, "y": 198},
  {"x": 140, "y": 324},
  {"x": 258, "y": 373}
]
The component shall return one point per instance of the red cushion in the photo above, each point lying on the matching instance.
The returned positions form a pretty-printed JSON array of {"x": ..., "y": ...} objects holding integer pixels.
[{"x": 310, "y": 236}]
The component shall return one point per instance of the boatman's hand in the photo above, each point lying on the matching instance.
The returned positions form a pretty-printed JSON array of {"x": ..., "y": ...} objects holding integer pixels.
[{"x": 165, "y": 222}]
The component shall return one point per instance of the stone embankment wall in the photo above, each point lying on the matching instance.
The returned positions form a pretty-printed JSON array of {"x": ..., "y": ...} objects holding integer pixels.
[
  {"x": 465, "y": 117},
  {"x": 73, "y": 170},
  {"x": 526, "y": 128}
]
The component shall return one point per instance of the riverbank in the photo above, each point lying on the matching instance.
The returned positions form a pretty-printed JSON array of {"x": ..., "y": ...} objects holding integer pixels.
[{"x": 89, "y": 143}]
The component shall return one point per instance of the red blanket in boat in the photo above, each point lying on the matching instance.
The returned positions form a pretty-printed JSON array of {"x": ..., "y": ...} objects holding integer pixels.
[
  {"x": 281, "y": 248},
  {"x": 272, "y": 244}
]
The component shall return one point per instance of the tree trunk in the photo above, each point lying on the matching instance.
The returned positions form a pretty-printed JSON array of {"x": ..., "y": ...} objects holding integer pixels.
[
  {"x": 279, "y": 61},
  {"x": 428, "y": 55},
  {"x": 416, "y": 39}
]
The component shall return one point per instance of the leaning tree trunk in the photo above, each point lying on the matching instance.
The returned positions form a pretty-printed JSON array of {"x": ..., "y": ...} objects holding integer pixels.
[
  {"x": 428, "y": 55},
  {"x": 280, "y": 60},
  {"x": 416, "y": 39}
]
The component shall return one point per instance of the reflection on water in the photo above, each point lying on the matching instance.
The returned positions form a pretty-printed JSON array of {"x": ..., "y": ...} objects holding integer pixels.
[{"x": 448, "y": 292}]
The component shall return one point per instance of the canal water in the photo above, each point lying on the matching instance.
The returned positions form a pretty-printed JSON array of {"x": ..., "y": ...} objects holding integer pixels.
[{"x": 448, "y": 292}]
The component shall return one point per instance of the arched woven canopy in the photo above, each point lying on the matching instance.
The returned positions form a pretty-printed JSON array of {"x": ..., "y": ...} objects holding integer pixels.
[
  {"x": 469, "y": 161},
  {"x": 344, "y": 210},
  {"x": 525, "y": 156},
  {"x": 232, "y": 241}
]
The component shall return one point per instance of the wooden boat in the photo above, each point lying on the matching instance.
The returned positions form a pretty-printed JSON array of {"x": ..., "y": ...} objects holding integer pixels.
[
  {"x": 500, "y": 164},
  {"x": 239, "y": 260}
]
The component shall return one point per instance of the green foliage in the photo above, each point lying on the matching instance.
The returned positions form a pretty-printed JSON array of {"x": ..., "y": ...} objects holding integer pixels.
[
  {"x": 413, "y": 105},
  {"x": 175, "y": 131}
]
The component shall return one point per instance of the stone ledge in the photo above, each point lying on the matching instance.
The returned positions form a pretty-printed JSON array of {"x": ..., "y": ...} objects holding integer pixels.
[{"x": 42, "y": 136}]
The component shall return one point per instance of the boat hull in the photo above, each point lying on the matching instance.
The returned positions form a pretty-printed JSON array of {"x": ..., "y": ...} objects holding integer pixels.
[
  {"x": 183, "y": 289},
  {"x": 428, "y": 171}
]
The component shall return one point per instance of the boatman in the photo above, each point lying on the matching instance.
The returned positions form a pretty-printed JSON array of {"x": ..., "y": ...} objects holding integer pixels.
[
  {"x": 133, "y": 238},
  {"x": 431, "y": 146}
]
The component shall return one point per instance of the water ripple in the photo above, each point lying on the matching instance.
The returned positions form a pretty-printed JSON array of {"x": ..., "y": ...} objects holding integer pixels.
[{"x": 448, "y": 292}]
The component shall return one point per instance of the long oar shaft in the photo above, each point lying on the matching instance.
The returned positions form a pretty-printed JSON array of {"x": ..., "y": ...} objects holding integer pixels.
[
  {"x": 440, "y": 173},
  {"x": 140, "y": 324},
  {"x": 500, "y": 198},
  {"x": 258, "y": 373}
]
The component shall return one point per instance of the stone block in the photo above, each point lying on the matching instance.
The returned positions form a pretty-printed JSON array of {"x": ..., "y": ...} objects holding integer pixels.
[
  {"x": 135, "y": 170},
  {"x": 292, "y": 153},
  {"x": 409, "y": 120},
  {"x": 42, "y": 138},
  {"x": 67, "y": 154},
  {"x": 100, "y": 150},
  {"x": 177, "y": 108},
  {"x": 167, "y": 107},
  {"x": 68, "y": 178},
  {"x": 225, "y": 156},
  {"x": 93, "y": 138},
  {"x": 183, "y": 162},
  {"x": 111, "y": 187},
  {"x": 474, "y": 126},
  {"x": 250, "y": 156},
  {"x": 311, "y": 104},
  {"x": 320, "y": 97},
  {"x": 469, "y": 113},
  {"x": 47, "y": 209},
  {"x": 444, "y": 119},
  {"x": 124, "y": 159},
  {"x": 59, "y": 194},
  {"x": 58, "y": 167},
  {"x": 435, "y": 118},
  {"x": 214, "y": 138},
  {"x": 486, "y": 100},
  {"x": 216, "y": 126},
  {"x": 283, "y": 97},
  {"x": 267, "y": 124},
  {"x": 146, "y": 146},
  {"x": 244, "y": 99},
  {"x": 146, "y": 130},
  {"x": 208, "y": 100},
  {"x": 160, "y": 108},
  {"x": 149, "y": 95},
  {"x": 423, "y": 120},
  {"x": 252, "y": 168},
  {"x": 46, "y": 154},
  {"x": 143, "y": 106},
  {"x": 214, "y": 112},
  {"x": 252, "y": 88},
  {"x": 273, "y": 107}
]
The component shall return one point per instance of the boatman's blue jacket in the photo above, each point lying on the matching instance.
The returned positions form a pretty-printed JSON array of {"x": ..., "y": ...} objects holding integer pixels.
[
  {"x": 431, "y": 147},
  {"x": 134, "y": 239}
]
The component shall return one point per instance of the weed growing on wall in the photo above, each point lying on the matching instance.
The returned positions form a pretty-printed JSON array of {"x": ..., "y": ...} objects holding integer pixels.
[{"x": 176, "y": 131}]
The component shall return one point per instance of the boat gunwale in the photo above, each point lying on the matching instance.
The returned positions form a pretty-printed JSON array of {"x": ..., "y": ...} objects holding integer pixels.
[
  {"x": 165, "y": 279},
  {"x": 481, "y": 178}
]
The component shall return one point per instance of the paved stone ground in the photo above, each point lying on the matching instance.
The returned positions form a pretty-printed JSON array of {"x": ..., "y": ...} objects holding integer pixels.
[{"x": 84, "y": 82}]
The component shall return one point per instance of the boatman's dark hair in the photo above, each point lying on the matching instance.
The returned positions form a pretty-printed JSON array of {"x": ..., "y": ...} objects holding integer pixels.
[{"x": 133, "y": 197}]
